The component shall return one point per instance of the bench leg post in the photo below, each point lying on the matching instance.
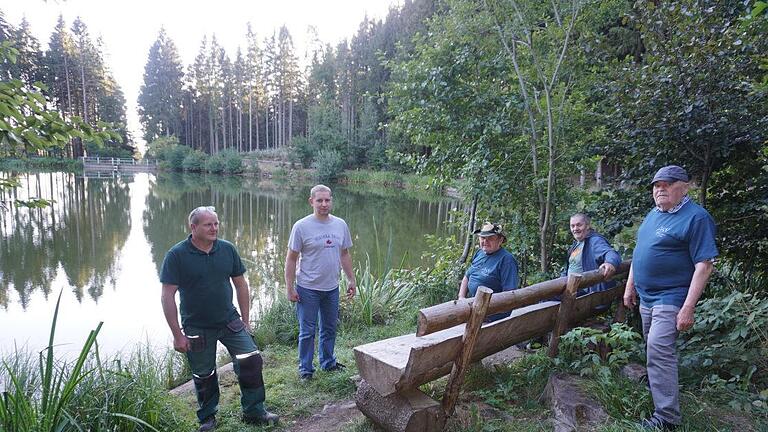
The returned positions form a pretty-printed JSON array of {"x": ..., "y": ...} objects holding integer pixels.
[
  {"x": 459, "y": 369},
  {"x": 567, "y": 303}
]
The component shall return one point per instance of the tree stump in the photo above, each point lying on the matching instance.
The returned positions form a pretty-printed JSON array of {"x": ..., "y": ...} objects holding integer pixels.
[{"x": 407, "y": 411}]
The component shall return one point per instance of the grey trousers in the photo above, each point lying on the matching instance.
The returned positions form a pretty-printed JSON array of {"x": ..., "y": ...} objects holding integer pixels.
[{"x": 660, "y": 333}]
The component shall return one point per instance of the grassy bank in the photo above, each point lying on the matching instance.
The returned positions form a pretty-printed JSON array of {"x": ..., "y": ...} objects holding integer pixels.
[{"x": 40, "y": 163}]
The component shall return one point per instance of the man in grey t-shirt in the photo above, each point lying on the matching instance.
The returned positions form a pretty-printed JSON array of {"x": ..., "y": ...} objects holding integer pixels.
[{"x": 317, "y": 249}]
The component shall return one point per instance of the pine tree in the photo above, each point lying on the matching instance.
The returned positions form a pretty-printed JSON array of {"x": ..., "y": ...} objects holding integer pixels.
[{"x": 160, "y": 97}]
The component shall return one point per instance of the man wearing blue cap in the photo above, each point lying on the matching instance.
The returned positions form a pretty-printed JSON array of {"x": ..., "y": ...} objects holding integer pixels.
[{"x": 671, "y": 265}]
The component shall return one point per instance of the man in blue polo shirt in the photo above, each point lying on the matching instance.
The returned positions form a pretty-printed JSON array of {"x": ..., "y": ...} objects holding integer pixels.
[
  {"x": 671, "y": 265},
  {"x": 200, "y": 269},
  {"x": 492, "y": 266}
]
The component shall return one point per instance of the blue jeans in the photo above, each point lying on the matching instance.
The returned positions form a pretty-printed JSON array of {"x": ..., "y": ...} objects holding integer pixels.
[{"x": 326, "y": 305}]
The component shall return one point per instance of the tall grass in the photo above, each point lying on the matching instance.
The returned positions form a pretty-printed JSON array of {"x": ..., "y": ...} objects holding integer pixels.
[
  {"x": 46, "y": 394},
  {"x": 26, "y": 408},
  {"x": 378, "y": 299},
  {"x": 129, "y": 395}
]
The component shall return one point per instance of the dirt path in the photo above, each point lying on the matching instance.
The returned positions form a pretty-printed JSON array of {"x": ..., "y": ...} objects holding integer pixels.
[{"x": 332, "y": 418}]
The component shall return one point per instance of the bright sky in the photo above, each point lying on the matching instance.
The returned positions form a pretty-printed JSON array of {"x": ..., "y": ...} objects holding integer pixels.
[{"x": 129, "y": 27}]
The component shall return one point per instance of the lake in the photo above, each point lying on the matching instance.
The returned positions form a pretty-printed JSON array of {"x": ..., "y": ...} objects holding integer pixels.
[{"x": 102, "y": 242}]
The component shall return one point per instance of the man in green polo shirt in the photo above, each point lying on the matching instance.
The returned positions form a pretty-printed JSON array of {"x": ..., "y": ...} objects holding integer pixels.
[{"x": 200, "y": 269}]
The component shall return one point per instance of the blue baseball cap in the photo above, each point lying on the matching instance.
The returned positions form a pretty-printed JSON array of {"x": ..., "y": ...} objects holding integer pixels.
[{"x": 671, "y": 174}]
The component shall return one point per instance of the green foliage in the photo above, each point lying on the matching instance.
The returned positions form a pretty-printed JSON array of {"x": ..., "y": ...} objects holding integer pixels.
[
  {"x": 440, "y": 282},
  {"x": 304, "y": 151},
  {"x": 215, "y": 164},
  {"x": 591, "y": 351},
  {"x": 328, "y": 165},
  {"x": 28, "y": 126},
  {"x": 278, "y": 323},
  {"x": 622, "y": 398},
  {"x": 161, "y": 94},
  {"x": 170, "y": 154},
  {"x": 94, "y": 149},
  {"x": 129, "y": 395},
  {"x": 520, "y": 382},
  {"x": 41, "y": 163},
  {"x": 691, "y": 100},
  {"x": 194, "y": 161},
  {"x": 379, "y": 300},
  {"x": 728, "y": 346},
  {"x": 157, "y": 149},
  {"x": 232, "y": 161}
]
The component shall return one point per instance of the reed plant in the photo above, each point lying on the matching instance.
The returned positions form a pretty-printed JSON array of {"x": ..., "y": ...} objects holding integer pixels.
[
  {"x": 43, "y": 393},
  {"x": 128, "y": 394},
  {"x": 379, "y": 299},
  {"x": 25, "y": 407}
]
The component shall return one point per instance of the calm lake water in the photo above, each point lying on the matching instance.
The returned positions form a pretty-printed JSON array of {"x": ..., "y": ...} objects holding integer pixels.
[{"x": 102, "y": 242}]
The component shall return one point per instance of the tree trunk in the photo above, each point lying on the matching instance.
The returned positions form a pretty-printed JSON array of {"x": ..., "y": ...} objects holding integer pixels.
[
  {"x": 470, "y": 228},
  {"x": 250, "y": 121},
  {"x": 290, "y": 121}
]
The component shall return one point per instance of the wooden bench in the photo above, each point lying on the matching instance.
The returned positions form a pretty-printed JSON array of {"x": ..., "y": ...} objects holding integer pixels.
[{"x": 392, "y": 369}]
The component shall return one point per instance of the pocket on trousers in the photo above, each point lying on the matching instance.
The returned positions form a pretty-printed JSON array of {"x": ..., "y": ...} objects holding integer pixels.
[
  {"x": 236, "y": 325},
  {"x": 196, "y": 343}
]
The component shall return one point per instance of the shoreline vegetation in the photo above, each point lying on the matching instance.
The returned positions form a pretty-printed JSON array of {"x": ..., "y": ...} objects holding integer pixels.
[{"x": 251, "y": 166}]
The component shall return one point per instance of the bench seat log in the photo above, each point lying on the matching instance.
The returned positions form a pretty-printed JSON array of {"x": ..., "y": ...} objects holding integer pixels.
[{"x": 405, "y": 362}]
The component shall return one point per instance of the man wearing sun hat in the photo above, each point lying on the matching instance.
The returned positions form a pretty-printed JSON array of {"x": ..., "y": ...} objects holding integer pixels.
[
  {"x": 492, "y": 266},
  {"x": 671, "y": 265}
]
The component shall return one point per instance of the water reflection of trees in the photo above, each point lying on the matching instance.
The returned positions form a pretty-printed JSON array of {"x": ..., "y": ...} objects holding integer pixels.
[
  {"x": 257, "y": 218},
  {"x": 80, "y": 233}
]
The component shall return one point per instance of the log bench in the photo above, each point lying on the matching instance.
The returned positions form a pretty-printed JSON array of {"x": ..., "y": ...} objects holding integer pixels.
[{"x": 394, "y": 368}]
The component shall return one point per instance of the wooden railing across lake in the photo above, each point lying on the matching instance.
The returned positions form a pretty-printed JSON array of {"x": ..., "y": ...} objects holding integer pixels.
[{"x": 96, "y": 163}]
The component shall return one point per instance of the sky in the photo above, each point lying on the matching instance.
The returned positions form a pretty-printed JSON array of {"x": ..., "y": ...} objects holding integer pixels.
[{"x": 128, "y": 28}]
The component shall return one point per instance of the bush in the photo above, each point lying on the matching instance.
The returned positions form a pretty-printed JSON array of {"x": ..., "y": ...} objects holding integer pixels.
[
  {"x": 440, "y": 282},
  {"x": 175, "y": 156},
  {"x": 135, "y": 389},
  {"x": 232, "y": 161},
  {"x": 591, "y": 351},
  {"x": 728, "y": 345},
  {"x": 194, "y": 161},
  {"x": 328, "y": 165},
  {"x": 378, "y": 300},
  {"x": 157, "y": 148},
  {"x": 41, "y": 163},
  {"x": 303, "y": 151},
  {"x": 44, "y": 393},
  {"x": 215, "y": 164}
]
